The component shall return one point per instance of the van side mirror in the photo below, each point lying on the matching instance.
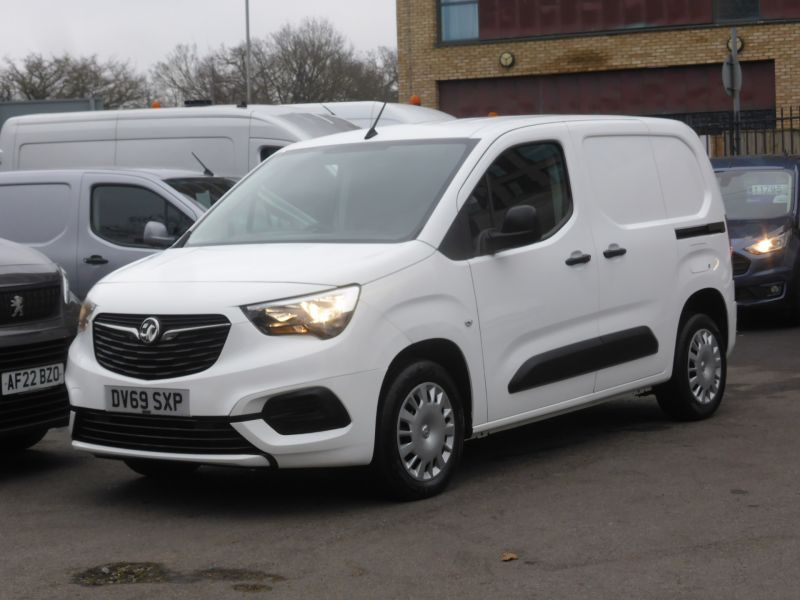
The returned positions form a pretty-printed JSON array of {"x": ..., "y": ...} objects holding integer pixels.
[
  {"x": 156, "y": 234},
  {"x": 520, "y": 227}
]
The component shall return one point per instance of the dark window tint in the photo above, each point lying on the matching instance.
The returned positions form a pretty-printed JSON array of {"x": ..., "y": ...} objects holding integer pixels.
[
  {"x": 267, "y": 151},
  {"x": 120, "y": 213},
  {"x": 734, "y": 10},
  {"x": 459, "y": 19},
  {"x": 533, "y": 174}
]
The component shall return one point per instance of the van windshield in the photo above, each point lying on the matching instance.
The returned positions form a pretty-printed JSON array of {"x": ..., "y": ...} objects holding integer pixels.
[
  {"x": 203, "y": 190},
  {"x": 754, "y": 194},
  {"x": 367, "y": 192}
]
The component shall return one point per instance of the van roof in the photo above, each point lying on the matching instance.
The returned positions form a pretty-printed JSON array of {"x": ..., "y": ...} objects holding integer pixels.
[
  {"x": 162, "y": 174},
  {"x": 488, "y": 127},
  {"x": 359, "y": 114}
]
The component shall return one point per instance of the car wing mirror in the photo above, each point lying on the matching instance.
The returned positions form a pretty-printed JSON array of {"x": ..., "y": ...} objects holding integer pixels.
[
  {"x": 520, "y": 227},
  {"x": 156, "y": 235}
]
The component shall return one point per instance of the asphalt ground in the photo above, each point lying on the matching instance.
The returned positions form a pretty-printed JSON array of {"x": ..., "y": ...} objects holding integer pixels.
[{"x": 615, "y": 501}]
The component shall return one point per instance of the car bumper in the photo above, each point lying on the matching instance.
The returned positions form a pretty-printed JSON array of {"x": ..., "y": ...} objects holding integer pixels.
[{"x": 252, "y": 369}]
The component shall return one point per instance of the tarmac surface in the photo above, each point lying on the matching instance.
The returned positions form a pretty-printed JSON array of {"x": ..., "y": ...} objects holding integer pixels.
[{"x": 612, "y": 502}]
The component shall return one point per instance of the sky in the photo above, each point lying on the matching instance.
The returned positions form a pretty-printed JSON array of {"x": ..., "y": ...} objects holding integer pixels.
[{"x": 145, "y": 31}]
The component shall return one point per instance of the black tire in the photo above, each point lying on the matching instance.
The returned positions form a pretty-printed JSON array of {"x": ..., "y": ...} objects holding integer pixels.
[
  {"x": 161, "y": 469},
  {"x": 22, "y": 441},
  {"x": 691, "y": 395},
  {"x": 437, "y": 432}
]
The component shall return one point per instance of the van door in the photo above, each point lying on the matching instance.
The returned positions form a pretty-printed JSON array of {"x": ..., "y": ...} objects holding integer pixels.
[
  {"x": 637, "y": 254},
  {"x": 536, "y": 302},
  {"x": 113, "y": 215}
]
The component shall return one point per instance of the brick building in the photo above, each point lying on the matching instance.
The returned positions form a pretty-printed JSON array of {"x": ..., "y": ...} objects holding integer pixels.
[{"x": 648, "y": 57}]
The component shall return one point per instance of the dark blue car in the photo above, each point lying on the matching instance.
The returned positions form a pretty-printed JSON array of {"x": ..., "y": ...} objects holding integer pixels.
[{"x": 761, "y": 205}]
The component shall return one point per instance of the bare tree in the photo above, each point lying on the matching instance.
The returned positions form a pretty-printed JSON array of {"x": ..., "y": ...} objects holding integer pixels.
[
  {"x": 38, "y": 78},
  {"x": 311, "y": 62}
]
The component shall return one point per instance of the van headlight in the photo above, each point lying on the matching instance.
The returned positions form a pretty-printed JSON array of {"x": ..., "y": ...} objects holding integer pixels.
[
  {"x": 323, "y": 315},
  {"x": 773, "y": 241},
  {"x": 87, "y": 308}
]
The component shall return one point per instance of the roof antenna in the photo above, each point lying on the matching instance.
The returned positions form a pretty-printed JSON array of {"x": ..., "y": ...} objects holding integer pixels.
[
  {"x": 206, "y": 171},
  {"x": 372, "y": 131}
]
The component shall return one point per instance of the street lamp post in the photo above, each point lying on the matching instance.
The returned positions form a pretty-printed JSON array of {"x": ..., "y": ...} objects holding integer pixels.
[{"x": 247, "y": 48}]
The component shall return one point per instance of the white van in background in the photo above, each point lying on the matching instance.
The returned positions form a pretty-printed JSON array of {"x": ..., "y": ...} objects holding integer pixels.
[
  {"x": 93, "y": 221},
  {"x": 228, "y": 140}
]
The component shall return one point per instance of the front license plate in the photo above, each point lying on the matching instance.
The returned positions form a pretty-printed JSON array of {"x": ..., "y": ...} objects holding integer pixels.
[
  {"x": 35, "y": 378},
  {"x": 147, "y": 401}
]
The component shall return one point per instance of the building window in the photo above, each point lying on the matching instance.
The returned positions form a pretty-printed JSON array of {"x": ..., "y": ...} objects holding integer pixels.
[
  {"x": 459, "y": 20},
  {"x": 736, "y": 10}
]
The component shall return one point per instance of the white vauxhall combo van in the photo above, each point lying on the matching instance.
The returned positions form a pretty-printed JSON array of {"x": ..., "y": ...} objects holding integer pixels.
[{"x": 378, "y": 301}]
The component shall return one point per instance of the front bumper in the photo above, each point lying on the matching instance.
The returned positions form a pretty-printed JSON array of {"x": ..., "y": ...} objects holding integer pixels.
[
  {"x": 253, "y": 368},
  {"x": 768, "y": 282}
]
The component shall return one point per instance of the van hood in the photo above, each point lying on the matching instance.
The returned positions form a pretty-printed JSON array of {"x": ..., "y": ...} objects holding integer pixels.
[{"x": 324, "y": 265}]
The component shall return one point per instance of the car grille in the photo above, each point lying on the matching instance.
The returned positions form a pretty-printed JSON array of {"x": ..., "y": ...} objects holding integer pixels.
[
  {"x": 22, "y": 304},
  {"x": 40, "y": 408},
  {"x": 189, "y": 352},
  {"x": 740, "y": 264},
  {"x": 185, "y": 435}
]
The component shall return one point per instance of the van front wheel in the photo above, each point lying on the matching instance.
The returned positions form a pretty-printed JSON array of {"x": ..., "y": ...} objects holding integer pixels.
[
  {"x": 420, "y": 432},
  {"x": 699, "y": 372}
]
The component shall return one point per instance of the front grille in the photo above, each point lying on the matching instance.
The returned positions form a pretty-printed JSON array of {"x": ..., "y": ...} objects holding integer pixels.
[
  {"x": 189, "y": 352},
  {"x": 30, "y": 303},
  {"x": 13, "y": 358},
  {"x": 740, "y": 264},
  {"x": 40, "y": 408},
  {"x": 185, "y": 435}
]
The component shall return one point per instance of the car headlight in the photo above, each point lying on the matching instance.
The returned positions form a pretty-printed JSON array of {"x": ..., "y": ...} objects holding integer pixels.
[
  {"x": 64, "y": 285},
  {"x": 775, "y": 240},
  {"x": 87, "y": 308},
  {"x": 324, "y": 315}
]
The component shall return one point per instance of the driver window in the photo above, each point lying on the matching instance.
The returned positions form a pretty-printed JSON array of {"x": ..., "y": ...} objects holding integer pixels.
[
  {"x": 533, "y": 174},
  {"x": 119, "y": 214}
]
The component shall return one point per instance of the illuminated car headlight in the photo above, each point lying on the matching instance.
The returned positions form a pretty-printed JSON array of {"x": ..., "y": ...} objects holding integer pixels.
[
  {"x": 775, "y": 240},
  {"x": 64, "y": 285},
  {"x": 87, "y": 308},
  {"x": 324, "y": 315}
]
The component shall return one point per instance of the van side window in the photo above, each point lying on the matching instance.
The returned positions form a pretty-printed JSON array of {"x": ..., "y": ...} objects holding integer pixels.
[
  {"x": 119, "y": 214},
  {"x": 533, "y": 174},
  {"x": 266, "y": 151}
]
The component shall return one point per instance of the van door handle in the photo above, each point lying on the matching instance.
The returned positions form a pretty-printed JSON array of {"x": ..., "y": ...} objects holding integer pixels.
[
  {"x": 578, "y": 258},
  {"x": 95, "y": 259},
  {"x": 614, "y": 250}
]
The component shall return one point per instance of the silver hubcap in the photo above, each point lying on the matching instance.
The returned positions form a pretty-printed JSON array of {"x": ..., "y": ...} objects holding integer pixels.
[
  {"x": 425, "y": 431},
  {"x": 705, "y": 366}
]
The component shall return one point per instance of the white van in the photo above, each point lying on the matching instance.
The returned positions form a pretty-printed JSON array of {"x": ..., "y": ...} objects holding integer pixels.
[
  {"x": 228, "y": 140},
  {"x": 379, "y": 301},
  {"x": 92, "y": 221}
]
